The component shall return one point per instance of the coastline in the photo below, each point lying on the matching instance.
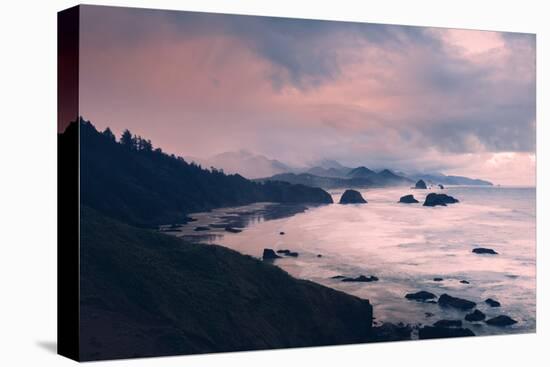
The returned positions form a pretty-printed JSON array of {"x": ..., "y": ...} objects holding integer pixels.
[{"x": 320, "y": 270}]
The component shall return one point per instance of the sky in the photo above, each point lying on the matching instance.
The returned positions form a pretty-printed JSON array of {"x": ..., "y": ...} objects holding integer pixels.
[{"x": 384, "y": 96}]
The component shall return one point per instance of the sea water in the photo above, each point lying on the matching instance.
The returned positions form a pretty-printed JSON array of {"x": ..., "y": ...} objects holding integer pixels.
[{"x": 406, "y": 246}]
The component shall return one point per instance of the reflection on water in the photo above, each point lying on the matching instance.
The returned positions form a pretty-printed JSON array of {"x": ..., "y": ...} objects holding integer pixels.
[
  {"x": 405, "y": 245},
  {"x": 211, "y": 226}
]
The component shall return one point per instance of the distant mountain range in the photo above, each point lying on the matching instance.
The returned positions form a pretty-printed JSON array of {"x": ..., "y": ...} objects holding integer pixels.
[
  {"x": 357, "y": 177},
  {"x": 338, "y": 176},
  {"x": 244, "y": 163},
  {"x": 325, "y": 173}
]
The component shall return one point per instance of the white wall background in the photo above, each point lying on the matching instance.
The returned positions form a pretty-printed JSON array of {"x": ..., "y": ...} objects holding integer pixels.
[{"x": 28, "y": 182}]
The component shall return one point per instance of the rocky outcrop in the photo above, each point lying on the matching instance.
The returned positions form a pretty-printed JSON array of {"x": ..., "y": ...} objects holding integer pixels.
[
  {"x": 482, "y": 250},
  {"x": 269, "y": 254},
  {"x": 492, "y": 303},
  {"x": 388, "y": 332},
  {"x": 352, "y": 197},
  {"x": 448, "y": 323},
  {"x": 477, "y": 315},
  {"x": 420, "y": 184},
  {"x": 501, "y": 320},
  {"x": 449, "y": 301},
  {"x": 408, "y": 199},
  {"x": 434, "y": 199},
  {"x": 420, "y": 296},
  {"x": 288, "y": 253},
  {"x": 361, "y": 278},
  {"x": 433, "y": 332}
]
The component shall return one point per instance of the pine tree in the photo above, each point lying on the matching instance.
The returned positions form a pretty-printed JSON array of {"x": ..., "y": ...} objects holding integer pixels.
[
  {"x": 109, "y": 134},
  {"x": 126, "y": 139}
]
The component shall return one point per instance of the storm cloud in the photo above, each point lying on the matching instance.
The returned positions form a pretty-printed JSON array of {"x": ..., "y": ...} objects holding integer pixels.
[{"x": 302, "y": 90}]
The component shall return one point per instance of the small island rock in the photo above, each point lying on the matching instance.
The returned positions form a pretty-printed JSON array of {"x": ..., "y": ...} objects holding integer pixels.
[
  {"x": 420, "y": 296},
  {"x": 482, "y": 250},
  {"x": 432, "y": 332},
  {"x": 361, "y": 278},
  {"x": 448, "y": 323},
  {"x": 434, "y": 199},
  {"x": 491, "y": 302},
  {"x": 420, "y": 184},
  {"x": 477, "y": 315},
  {"x": 501, "y": 320},
  {"x": 449, "y": 301},
  {"x": 352, "y": 197},
  {"x": 408, "y": 199}
]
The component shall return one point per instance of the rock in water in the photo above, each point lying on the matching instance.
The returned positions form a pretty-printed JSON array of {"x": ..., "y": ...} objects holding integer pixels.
[
  {"x": 438, "y": 279},
  {"x": 434, "y": 199},
  {"x": 198, "y": 229},
  {"x": 352, "y": 197},
  {"x": 233, "y": 230},
  {"x": 464, "y": 282},
  {"x": 288, "y": 253},
  {"x": 361, "y": 278},
  {"x": 388, "y": 332},
  {"x": 441, "y": 186},
  {"x": 448, "y": 323},
  {"x": 420, "y": 296},
  {"x": 408, "y": 199},
  {"x": 501, "y": 320},
  {"x": 491, "y": 302},
  {"x": 449, "y": 301},
  {"x": 420, "y": 184},
  {"x": 482, "y": 250},
  {"x": 433, "y": 332},
  {"x": 477, "y": 315},
  {"x": 269, "y": 254}
]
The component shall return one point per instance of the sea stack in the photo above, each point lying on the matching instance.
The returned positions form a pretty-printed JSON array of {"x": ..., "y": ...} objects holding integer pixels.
[
  {"x": 434, "y": 199},
  {"x": 420, "y": 184},
  {"x": 408, "y": 199},
  {"x": 352, "y": 197}
]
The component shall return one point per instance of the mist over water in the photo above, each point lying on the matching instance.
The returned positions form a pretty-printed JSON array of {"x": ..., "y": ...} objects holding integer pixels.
[{"x": 406, "y": 246}]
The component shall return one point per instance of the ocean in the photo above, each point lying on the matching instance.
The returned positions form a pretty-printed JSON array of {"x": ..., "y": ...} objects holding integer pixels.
[{"x": 405, "y": 245}]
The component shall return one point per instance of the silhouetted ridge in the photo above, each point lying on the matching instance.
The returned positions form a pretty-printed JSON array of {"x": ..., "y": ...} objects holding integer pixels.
[{"x": 133, "y": 182}]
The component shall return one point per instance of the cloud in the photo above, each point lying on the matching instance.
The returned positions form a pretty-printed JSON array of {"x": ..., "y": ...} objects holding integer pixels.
[{"x": 292, "y": 89}]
